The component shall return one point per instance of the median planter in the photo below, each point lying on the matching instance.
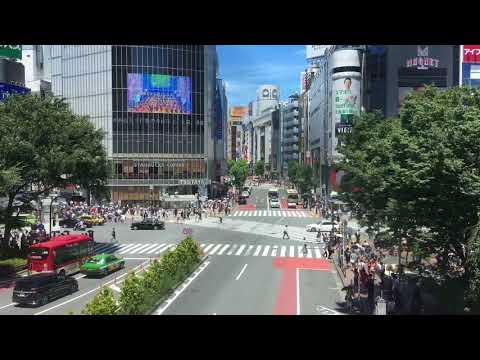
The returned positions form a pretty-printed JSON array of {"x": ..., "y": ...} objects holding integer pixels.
[{"x": 141, "y": 295}]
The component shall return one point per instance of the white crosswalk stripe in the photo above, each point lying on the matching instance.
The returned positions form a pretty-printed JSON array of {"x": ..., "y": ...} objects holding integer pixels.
[
  {"x": 222, "y": 249},
  {"x": 270, "y": 213},
  {"x": 215, "y": 249},
  {"x": 265, "y": 252},
  {"x": 240, "y": 250}
]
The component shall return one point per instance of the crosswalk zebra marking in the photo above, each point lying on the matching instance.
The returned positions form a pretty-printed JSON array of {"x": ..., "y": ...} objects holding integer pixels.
[
  {"x": 128, "y": 249},
  {"x": 156, "y": 248},
  {"x": 257, "y": 250},
  {"x": 265, "y": 252},
  {"x": 317, "y": 253},
  {"x": 234, "y": 247},
  {"x": 215, "y": 249},
  {"x": 164, "y": 249},
  {"x": 291, "y": 252},
  {"x": 208, "y": 247},
  {"x": 283, "y": 250},
  {"x": 222, "y": 250},
  {"x": 274, "y": 250},
  {"x": 300, "y": 252},
  {"x": 141, "y": 248},
  {"x": 240, "y": 250},
  {"x": 249, "y": 250}
]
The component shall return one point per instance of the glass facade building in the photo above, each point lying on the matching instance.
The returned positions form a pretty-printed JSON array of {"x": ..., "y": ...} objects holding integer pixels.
[{"x": 156, "y": 106}]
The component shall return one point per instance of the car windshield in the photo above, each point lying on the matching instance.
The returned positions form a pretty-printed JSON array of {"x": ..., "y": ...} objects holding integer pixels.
[{"x": 96, "y": 261}]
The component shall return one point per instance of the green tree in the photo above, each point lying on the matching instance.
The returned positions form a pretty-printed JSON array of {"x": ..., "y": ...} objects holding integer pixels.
[
  {"x": 132, "y": 296},
  {"x": 42, "y": 139},
  {"x": 292, "y": 170},
  {"x": 102, "y": 304},
  {"x": 303, "y": 178},
  {"x": 259, "y": 168},
  {"x": 239, "y": 172},
  {"x": 419, "y": 174}
]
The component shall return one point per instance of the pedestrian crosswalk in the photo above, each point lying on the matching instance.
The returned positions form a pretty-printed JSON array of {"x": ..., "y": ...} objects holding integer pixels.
[
  {"x": 295, "y": 233},
  {"x": 271, "y": 213},
  {"x": 150, "y": 250}
]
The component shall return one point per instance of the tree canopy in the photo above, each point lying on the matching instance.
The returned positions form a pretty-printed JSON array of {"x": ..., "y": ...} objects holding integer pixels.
[
  {"x": 41, "y": 141},
  {"x": 259, "y": 168},
  {"x": 418, "y": 174},
  {"x": 238, "y": 170}
]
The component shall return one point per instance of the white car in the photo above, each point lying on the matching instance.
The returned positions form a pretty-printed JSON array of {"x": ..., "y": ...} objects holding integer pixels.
[
  {"x": 274, "y": 203},
  {"x": 322, "y": 226}
]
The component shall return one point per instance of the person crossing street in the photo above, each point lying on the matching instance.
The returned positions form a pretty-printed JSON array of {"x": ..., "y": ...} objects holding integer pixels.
[{"x": 285, "y": 233}]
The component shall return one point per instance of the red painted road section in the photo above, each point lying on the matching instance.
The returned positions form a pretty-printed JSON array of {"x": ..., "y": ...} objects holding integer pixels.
[
  {"x": 287, "y": 295},
  {"x": 283, "y": 204},
  {"x": 245, "y": 207}
]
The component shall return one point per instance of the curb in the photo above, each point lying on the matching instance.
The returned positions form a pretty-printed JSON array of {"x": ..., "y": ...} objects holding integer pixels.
[
  {"x": 339, "y": 272},
  {"x": 172, "y": 290}
]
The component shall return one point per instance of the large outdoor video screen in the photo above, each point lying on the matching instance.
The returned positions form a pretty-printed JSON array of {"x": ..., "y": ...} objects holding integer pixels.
[{"x": 157, "y": 93}]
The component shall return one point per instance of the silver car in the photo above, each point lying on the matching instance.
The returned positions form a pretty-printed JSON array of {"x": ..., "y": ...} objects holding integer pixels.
[{"x": 274, "y": 203}]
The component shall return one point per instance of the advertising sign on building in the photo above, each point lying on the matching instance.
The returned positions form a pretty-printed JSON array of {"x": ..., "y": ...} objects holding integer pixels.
[
  {"x": 8, "y": 89},
  {"x": 422, "y": 61},
  {"x": 346, "y": 104},
  {"x": 314, "y": 51},
  {"x": 470, "y": 67},
  {"x": 11, "y": 51},
  {"x": 471, "y": 54}
]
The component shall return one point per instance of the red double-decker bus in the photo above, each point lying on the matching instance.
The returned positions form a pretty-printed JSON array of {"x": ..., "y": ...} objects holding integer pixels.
[{"x": 62, "y": 254}]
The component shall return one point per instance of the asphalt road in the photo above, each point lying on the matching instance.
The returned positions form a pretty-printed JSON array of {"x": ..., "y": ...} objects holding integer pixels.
[{"x": 261, "y": 280}]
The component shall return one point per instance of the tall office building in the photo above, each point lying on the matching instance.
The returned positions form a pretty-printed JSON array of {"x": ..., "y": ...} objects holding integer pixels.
[
  {"x": 36, "y": 60},
  {"x": 156, "y": 105},
  {"x": 234, "y": 128}
]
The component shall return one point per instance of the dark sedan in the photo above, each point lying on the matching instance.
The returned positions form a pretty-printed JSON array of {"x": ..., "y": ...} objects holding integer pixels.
[
  {"x": 71, "y": 222},
  {"x": 148, "y": 224}
]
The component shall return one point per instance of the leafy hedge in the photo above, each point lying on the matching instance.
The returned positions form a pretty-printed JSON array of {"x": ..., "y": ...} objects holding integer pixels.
[
  {"x": 141, "y": 294},
  {"x": 10, "y": 266}
]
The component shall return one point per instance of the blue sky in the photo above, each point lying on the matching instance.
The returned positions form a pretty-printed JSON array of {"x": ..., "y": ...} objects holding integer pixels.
[{"x": 245, "y": 67}]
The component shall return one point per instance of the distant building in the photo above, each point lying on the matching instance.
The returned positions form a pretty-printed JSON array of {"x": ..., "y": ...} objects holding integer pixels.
[
  {"x": 290, "y": 132},
  {"x": 234, "y": 125},
  {"x": 36, "y": 60}
]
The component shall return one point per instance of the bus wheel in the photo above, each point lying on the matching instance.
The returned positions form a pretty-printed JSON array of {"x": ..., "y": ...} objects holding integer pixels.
[{"x": 44, "y": 300}]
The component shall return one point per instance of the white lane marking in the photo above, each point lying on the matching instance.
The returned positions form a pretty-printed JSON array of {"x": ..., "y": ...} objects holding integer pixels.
[
  {"x": 257, "y": 250},
  {"x": 140, "y": 249},
  {"x": 284, "y": 213},
  {"x": 222, "y": 250},
  {"x": 155, "y": 248},
  {"x": 235, "y": 213},
  {"x": 80, "y": 276},
  {"x": 251, "y": 213},
  {"x": 3, "y": 307},
  {"x": 317, "y": 253},
  {"x": 124, "y": 251},
  {"x": 202, "y": 245},
  {"x": 240, "y": 250},
  {"x": 215, "y": 249},
  {"x": 241, "y": 213},
  {"x": 208, "y": 247},
  {"x": 283, "y": 250},
  {"x": 115, "y": 287},
  {"x": 137, "y": 258},
  {"x": 298, "y": 294},
  {"x": 274, "y": 250},
  {"x": 95, "y": 289},
  {"x": 241, "y": 272},
  {"x": 177, "y": 293},
  {"x": 234, "y": 247},
  {"x": 148, "y": 248},
  {"x": 265, "y": 252},
  {"x": 159, "y": 251},
  {"x": 291, "y": 251},
  {"x": 100, "y": 248}
]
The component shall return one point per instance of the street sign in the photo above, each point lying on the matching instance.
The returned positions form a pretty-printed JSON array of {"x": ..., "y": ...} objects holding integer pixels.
[{"x": 187, "y": 231}]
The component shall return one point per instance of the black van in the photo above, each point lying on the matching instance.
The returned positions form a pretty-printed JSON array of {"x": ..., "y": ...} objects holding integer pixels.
[{"x": 39, "y": 289}]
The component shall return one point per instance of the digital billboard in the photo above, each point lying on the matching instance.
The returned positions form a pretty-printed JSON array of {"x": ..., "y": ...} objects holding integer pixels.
[
  {"x": 158, "y": 93},
  {"x": 11, "y": 51}
]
